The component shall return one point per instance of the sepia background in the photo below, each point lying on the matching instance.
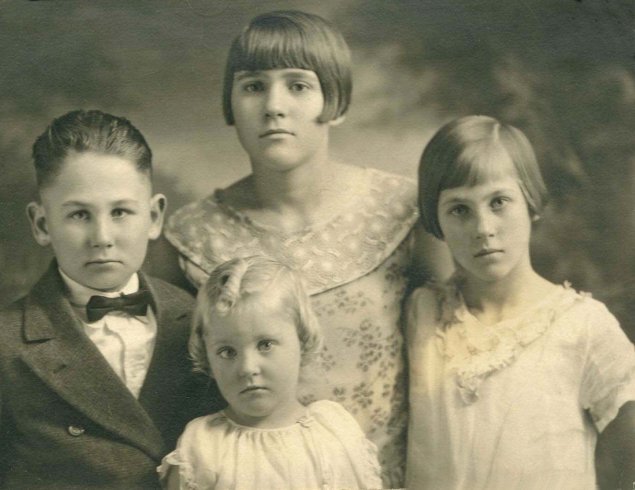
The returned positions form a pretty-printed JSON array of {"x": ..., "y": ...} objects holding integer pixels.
[{"x": 563, "y": 71}]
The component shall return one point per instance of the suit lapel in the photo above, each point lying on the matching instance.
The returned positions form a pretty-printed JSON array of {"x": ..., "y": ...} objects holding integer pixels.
[
  {"x": 170, "y": 364},
  {"x": 59, "y": 352}
]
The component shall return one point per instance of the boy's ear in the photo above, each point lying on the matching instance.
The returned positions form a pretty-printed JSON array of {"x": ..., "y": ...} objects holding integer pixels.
[
  {"x": 37, "y": 217},
  {"x": 158, "y": 205}
]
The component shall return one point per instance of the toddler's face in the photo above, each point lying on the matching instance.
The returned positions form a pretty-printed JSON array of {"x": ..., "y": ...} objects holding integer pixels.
[
  {"x": 254, "y": 354},
  {"x": 98, "y": 215},
  {"x": 487, "y": 227}
]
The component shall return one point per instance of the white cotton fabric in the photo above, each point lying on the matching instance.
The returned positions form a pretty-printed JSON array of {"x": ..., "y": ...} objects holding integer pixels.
[
  {"x": 517, "y": 404},
  {"x": 324, "y": 449}
]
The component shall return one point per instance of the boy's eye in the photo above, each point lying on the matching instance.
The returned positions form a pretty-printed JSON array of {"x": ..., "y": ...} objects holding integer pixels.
[
  {"x": 265, "y": 345},
  {"x": 226, "y": 352},
  {"x": 79, "y": 215},
  {"x": 120, "y": 212}
]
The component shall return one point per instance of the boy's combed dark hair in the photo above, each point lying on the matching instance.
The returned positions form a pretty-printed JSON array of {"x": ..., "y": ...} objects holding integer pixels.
[
  {"x": 293, "y": 39},
  {"x": 88, "y": 131}
]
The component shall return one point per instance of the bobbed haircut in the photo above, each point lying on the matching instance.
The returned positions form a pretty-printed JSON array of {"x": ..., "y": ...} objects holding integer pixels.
[
  {"x": 250, "y": 282},
  {"x": 293, "y": 39},
  {"x": 88, "y": 131},
  {"x": 465, "y": 152}
]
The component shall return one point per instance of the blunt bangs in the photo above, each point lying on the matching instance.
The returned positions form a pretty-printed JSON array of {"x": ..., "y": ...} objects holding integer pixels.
[{"x": 290, "y": 39}]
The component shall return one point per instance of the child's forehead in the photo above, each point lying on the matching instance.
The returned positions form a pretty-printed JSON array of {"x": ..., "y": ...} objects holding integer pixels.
[{"x": 88, "y": 173}]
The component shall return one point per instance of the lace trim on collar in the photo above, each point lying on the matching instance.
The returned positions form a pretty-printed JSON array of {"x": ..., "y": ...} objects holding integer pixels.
[
  {"x": 347, "y": 247},
  {"x": 477, "y": 353}
]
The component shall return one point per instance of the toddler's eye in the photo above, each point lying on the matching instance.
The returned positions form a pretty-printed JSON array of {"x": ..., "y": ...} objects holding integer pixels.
[
  {"x": 226, "y": 352},
  {"x": 265, "y": 345}
]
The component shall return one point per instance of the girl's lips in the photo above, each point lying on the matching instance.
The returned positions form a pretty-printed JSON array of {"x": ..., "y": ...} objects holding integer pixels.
[
  {"x": 483, "y": 253},
  {"x": 273, "y": 132}
]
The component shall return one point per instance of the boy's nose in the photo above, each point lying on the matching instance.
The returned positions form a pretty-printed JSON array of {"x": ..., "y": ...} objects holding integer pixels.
[{"x": 101, "y": 234}]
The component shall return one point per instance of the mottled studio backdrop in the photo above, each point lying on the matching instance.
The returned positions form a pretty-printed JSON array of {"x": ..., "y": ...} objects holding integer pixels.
[{"x": 561, "y": 70}]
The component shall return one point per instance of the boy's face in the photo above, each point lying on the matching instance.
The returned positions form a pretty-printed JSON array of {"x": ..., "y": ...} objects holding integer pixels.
[{"x": 98, "y": 215}]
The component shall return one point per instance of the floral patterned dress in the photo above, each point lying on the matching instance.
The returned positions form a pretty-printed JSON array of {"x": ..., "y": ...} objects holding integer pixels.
[
  {"x": 517, "y": 404},
  {"x": 355, "y": 268}
]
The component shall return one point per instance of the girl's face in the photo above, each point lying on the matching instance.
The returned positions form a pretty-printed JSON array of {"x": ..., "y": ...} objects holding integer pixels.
[
  {"x": 276, "y": 116},
  {"x": 487, "y": 228},
  {"x": 254, "y": 354}
]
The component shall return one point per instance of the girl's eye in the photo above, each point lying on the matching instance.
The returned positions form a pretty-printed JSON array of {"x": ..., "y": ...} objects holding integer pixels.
[
  {"x": 80, "y": 215},
  {"x": 299, "y": 87},
  {"x": 253, "y": 87},
  {"x": 265, "y": 345},
  {"x": 498, "y": 202},
  {"x": 226, "y": 352},
  {"x": 459, "y": 210}
]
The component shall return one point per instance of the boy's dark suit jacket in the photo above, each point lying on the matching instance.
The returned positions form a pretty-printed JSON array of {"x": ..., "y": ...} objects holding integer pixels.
[{"x": 67, "y": 420}]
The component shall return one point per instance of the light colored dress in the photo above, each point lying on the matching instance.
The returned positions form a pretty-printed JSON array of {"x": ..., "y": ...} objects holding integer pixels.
[
  {"x": 517, "y": 404},
  {"x": 324, "y": 449},
  {"x": 355, "y": 267}
]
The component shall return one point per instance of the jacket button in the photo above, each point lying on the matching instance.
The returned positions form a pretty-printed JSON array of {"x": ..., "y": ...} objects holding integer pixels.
[{"x": 76, "y": 430}]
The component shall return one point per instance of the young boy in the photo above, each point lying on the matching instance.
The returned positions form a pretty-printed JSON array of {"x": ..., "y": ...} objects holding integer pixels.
[{"x": 95, "y": 382}]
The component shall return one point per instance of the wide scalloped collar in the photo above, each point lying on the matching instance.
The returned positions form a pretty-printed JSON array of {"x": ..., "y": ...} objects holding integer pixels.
[{"x": 350, "y": 245}]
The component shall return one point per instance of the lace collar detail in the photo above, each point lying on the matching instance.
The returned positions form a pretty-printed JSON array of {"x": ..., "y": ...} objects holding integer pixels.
[
  {"x": 350, "y": 245},
  {"x": 475, "y": 351}
]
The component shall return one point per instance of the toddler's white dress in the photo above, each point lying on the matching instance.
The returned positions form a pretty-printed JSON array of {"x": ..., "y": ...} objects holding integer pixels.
[
  {"x": 517, "y": 404},
  {"x": 324, "y": 449}
]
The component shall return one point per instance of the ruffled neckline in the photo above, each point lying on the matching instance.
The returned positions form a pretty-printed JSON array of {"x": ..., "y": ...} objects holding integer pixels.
[
  {"x": 305, "y": 420},
  {"x": 475, "y": 351}
]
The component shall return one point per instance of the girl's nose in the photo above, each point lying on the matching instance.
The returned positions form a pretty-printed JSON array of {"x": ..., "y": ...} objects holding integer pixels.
[
  {"x": 485, "y": 226},
  {"x": 101, "y": 233},
  {"x": 276, "y": 101},
  {"x": 249, "y": 364}
]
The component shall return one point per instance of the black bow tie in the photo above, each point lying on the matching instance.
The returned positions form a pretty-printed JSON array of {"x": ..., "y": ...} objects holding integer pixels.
[{"x": 135, "y": 304}]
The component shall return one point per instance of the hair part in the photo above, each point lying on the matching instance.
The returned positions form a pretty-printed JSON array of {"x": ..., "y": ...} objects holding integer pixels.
[
  {"x": 246, "y": 281},
  {"x": 88, "y": 131},
  {"x": 465, "y": 152},
  {"x": 293, "y": 39}
]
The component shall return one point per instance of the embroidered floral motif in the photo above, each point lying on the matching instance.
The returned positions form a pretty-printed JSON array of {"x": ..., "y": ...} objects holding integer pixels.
[{"x": 476, "y": 352}]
